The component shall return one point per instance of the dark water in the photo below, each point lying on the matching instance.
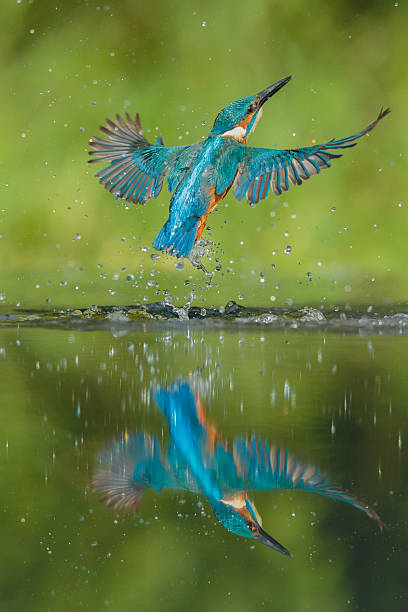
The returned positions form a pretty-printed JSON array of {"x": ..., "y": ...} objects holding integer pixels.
[{"x": 331, "y": 394}]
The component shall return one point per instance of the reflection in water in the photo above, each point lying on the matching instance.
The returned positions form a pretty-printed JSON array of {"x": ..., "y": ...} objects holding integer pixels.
[{"x": 199, "y": 460}]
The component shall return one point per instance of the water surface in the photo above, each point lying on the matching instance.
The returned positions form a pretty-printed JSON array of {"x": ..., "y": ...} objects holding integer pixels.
[{"x": 333, "y": 397}]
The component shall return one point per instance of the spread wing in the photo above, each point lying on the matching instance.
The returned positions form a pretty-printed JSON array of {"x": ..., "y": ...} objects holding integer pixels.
[
  {"x": 265, "y": 169},
  {"x": 131, "y": 465},
  {"x": 263, "y": 467},
  {"x": 136, "y": 167}
]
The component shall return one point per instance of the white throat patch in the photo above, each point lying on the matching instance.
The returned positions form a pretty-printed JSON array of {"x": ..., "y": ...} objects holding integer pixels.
[
  {"x": 237, "y": 133},
  {"x": 236, "y": 501}
]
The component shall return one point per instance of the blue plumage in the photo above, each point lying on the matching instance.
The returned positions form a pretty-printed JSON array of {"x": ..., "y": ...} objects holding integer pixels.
[
  {"x": 200, "y": 461},
  {"x": 177, "y": 239},
  {"x": 200, "y": 175}
]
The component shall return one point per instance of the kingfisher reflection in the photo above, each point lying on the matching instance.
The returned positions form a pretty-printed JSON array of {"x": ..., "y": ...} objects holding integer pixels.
[{"x": 200, "y": 461}]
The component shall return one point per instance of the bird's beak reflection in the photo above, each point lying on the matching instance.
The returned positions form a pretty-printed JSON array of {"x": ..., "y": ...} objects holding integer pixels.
[{"x": 268, "y": 540}]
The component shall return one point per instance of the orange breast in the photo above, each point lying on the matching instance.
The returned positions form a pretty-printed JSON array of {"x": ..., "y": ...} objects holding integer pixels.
[
  {"x": 213, "y": 436},
  {"x": 215, "y": 199}
]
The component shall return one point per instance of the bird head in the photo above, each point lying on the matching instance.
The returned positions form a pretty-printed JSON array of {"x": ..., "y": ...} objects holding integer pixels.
[
  {"x": 239, "y": 515},
  {"x": 239, "y": 119}
]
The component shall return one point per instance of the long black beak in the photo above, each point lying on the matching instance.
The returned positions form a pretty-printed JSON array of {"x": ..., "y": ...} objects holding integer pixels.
[
  {"x": 265, "y": 94},
  {"x": 268, "y": 540}
]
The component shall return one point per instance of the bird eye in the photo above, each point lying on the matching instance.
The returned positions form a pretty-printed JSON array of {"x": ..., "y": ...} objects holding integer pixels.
[{"x": 250, "y": 109}]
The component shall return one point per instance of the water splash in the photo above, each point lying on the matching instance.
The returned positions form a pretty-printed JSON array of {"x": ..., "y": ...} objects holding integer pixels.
[{"x": 202, "y": 248}]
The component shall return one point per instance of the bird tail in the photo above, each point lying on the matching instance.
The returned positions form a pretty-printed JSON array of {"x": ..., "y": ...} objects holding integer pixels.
[
  {"x": 176, "y": 239},
  {"x": 177, "y": 398}
]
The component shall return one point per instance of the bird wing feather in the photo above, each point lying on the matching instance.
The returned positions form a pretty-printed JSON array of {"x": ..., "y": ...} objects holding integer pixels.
[
  {"x": 130, "y": 465},
  {"x": 136, "y": 167},
  {"x": 265, "y": 169},
  {"x": 270, "y": 467}
]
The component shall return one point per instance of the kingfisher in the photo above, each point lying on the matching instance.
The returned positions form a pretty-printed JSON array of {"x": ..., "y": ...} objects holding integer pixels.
[
  {"x": 200, "y": 175},
  {"x": 199, "y": 460}
]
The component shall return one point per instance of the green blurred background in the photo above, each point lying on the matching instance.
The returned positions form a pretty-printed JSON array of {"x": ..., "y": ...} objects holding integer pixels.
[{"x": 67, "y": 65}]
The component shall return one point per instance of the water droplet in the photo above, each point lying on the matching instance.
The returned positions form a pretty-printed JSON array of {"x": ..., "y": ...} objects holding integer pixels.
[
  {"x": 288, "y": 249},
  {"x": 204, "y": 24}
]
